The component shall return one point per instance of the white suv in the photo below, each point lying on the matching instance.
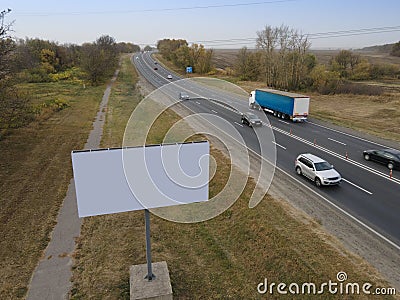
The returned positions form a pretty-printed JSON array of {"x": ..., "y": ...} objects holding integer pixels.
[{"x": 317, "y": 169}]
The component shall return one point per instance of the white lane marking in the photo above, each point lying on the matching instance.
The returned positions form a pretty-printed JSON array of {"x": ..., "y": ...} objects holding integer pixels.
[
  {"x": 238, "y": 124},
  {"x": 337, "y": 141},
  {"x": 339, "y": 208},
  {"x": 357, "y": 186},
  {"x": 350, "y": 135},
  {"x": 197, "y": 102},
  {"x": 283, "y": 121},
  {"x": 340, "y": 156},
  {"x": 215, "y": 112},
  {"x": 284, "y": 148}
]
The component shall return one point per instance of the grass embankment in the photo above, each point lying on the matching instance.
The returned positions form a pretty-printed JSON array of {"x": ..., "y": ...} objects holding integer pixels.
[
  {"x": 376, "y": 115},
  {"x": 226, "y": 257},
  {"x": 35, "y": 170}
]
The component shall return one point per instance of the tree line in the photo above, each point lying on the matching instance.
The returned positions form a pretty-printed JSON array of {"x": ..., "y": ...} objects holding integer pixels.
[
  {"x": 35, "y": 60},
  {"x": 183, "y": 55},
  {"x": 282, "y": 60}
]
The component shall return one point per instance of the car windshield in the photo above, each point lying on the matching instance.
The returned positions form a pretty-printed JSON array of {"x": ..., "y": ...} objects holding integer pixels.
[
  {"x": 394, "y": 153},
  {"x": 322, "y": 166},
  {"x": 253, "y": 117}
]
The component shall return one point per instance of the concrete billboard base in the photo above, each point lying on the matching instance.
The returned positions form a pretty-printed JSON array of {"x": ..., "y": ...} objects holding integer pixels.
[{"x": 157, "y": 289}]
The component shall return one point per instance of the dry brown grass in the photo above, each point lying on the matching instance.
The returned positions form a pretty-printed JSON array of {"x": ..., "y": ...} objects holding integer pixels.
[
  {"x": 377, "y": 115},
  {"x": 35, "y": 169},
  {"x": 225, "y": 257}
]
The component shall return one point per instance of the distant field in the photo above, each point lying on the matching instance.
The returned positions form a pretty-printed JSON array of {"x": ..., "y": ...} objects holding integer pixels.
[
  {"x": 226, "y": 57},
  {"x": 324, "y": 56}
]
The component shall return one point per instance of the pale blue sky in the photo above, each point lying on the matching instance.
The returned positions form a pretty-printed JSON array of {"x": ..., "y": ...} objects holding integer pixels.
[{"x": 145, "y": 22}]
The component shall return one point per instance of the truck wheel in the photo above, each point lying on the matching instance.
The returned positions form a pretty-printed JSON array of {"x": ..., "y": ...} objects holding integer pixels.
[
  {"x": 283, "y": 116},
  {"x": 275, "y": 113},
  {"x": 279, "y": 114}
]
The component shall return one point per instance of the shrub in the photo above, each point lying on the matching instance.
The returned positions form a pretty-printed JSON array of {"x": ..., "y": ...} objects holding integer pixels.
[
  {"x": 55, "y": 104},
  {"x": 72, "y": 74}
]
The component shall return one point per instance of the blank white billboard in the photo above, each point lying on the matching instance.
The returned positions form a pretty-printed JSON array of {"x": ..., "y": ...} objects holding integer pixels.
[{"x": 135, "y": 178}]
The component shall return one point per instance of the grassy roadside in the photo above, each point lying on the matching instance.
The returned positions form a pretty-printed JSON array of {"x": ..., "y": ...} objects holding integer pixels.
[
  {"x": 35, "y": 170},
  {"x": 226, "y": 257},
  {"x": 376, "y": 115}
]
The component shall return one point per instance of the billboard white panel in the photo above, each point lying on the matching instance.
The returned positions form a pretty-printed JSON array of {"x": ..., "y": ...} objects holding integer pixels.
[{"x": 125, "y": 179}]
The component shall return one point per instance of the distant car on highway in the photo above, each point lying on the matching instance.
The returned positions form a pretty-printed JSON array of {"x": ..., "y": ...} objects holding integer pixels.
[
  {"x": 155, "y": 68},
  {"x": 184, "y": 96},
  {"x": 251, "y": 119},
  {"x": 388, "y": 157},
  {"x": 155, "y": 62},
  {"x": 317, "y": 170},
  {"x": 169, "y": 76}
]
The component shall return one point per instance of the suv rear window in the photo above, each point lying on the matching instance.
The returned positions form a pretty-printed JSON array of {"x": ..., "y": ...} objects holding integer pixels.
[{"x": 306, "y": 162}]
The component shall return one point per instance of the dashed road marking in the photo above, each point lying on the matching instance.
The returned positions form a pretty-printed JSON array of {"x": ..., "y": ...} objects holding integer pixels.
[
  {"x": 357, "y": 186},
  {"x": 337, "y": 141},
  {"x": 284, "y": 148}
]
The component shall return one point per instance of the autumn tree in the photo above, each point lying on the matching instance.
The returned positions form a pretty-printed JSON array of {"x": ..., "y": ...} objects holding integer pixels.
[
  {"x": 200, "y": 58},
  {"x": 247, "y": 65},
  {"x": 123, "y": 47},
  {"x": 183, "y": 56},
  {"x": 167, "y": 47},
  {"x": 345, "y": 62},
  {"x": 99, "y": 59},
  {"x": 323, "y": 80},
  {"x": 395, "y": 49}
]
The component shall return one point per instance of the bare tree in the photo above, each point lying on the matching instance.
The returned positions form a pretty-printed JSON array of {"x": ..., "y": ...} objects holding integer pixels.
[
  {"x": 284, "y": 51},
  {"x": 7, "y": 45},
  {"x": 14, "y": 108},
  {"x": 267, "y": 41}
]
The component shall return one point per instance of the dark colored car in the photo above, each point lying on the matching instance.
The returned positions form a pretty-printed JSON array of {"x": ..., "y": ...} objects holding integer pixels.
[
  {"x": 155, "y": 68},
  {"x": 388, "y": 157},
  {"x": 251, "y": 119}
]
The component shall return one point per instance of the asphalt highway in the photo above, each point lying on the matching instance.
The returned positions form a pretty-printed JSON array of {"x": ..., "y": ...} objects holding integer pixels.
[{"x": 367, "y": 193}]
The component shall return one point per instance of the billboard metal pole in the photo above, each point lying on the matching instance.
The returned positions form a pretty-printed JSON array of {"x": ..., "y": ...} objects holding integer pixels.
[{"x": 150, "y": 276}]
